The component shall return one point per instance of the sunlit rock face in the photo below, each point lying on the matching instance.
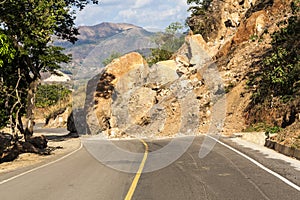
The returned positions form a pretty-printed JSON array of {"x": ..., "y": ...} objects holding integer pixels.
[{"x": 133, "y": 98}]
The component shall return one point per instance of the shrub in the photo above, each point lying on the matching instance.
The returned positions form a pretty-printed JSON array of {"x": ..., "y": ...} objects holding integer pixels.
[{"x": 48, "y": 95}]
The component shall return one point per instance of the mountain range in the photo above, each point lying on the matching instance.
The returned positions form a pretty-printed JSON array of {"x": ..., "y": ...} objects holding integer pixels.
[{"x": 98, "y": 42}]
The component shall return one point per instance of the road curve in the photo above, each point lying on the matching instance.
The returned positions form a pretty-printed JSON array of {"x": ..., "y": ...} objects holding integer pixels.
[{"x": 222, "y": 174}]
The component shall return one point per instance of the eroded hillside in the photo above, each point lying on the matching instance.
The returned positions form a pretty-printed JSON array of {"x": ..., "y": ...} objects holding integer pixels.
[{"x": 256, "y": 45}]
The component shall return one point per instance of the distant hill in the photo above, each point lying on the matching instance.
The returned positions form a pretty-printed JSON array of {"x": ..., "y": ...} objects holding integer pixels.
[
  {"x": 96, "y": 43},
  {"x": 103, "y": 30}
]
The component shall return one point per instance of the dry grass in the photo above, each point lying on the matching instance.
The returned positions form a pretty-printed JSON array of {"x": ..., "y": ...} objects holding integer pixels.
[{"x": 43, "y": 113}]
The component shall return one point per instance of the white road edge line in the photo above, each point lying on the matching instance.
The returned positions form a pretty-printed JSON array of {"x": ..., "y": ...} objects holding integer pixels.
[
  {"x": 288, "y": 182},
  {"x": 42, "y": 166}
]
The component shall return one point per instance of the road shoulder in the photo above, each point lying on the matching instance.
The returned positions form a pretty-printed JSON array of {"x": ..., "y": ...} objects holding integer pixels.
[
  {"x": 28, "y": 161},
  {"x": 285, "y": 166}
]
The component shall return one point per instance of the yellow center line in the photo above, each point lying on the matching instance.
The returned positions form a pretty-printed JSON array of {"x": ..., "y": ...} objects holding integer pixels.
[{"x": 138, "y": 174}]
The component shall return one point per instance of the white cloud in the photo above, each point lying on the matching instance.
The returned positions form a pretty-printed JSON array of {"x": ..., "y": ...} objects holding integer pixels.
[
  {"x": 141, "y": 3},
  {"x": 152, "y": 14},
  {"x": 128, "y": 14}
]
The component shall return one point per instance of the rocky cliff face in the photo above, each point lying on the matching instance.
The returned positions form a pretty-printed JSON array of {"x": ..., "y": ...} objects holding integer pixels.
[
  {"x": 239, "y": 43},
  {"x": 166, "y": 98}
]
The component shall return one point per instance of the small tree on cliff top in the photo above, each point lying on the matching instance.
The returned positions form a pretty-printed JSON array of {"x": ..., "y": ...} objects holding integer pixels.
[{"x": 167, "y": 42}]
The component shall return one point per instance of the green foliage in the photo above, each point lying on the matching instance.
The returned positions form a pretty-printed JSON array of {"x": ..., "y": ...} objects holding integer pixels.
[
  {"x": 199, "y": 6},
  {"x": 27, "y": 28},
  {"x": 174, "y": 28},
  {"x": 253, "y": 38},
  {"x": 280, "y": 73},
  {"x": 7, "y": 52},
  {"x": 276, "y": 85},
  {"x": 168, "y": 42},
  {"x": 259, "y": 127},
  {"x": 48, "y": 95},
  {"x": 113, "y": 56},
  {"x": 273, "y": 129},
  {"x": 158, "y": 54},
  {"x": 204, "y": 18},
  {"x": 255, "y": 127}
]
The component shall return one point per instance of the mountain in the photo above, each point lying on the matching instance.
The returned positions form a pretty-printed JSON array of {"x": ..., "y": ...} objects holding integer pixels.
[
  {"x": 103, "y": 30},
  {"x": 96, "y": 43}
]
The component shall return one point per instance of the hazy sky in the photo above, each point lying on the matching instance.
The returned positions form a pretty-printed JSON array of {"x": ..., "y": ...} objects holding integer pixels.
[{"x": 150, "y": 14}]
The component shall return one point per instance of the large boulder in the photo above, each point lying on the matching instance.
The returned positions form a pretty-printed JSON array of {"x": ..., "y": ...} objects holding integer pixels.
[
  {"x": 129, "y": 97},
  {"x": 59, "y": 118},
  {"x": 118, "y": 77},
  {"x": 8, "y": 150},
  {"x": 39, "y": 142}
]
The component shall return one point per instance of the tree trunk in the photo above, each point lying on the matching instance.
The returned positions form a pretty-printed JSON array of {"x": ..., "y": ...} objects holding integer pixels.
[{"x": 30, "y": 109}]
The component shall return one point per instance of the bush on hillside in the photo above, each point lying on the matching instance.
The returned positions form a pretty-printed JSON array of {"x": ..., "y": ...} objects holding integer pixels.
[{"x": 49, "y": 95}]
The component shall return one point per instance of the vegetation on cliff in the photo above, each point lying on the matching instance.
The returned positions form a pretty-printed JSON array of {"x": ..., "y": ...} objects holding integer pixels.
[
  {"x": 262, "y": 50},
  {"x": 167, "y": 42},
  {"x": 277, "y": 83}
]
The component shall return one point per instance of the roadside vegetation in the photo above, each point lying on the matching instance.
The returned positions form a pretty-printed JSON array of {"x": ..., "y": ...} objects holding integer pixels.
[
  {"x": 277, "y": 84},
  {"x": 52, "y": 100},
  {"x": 49, "y": 95},
  {"x": 26, "y": 49},
  {"x": 273, "y": 78}
]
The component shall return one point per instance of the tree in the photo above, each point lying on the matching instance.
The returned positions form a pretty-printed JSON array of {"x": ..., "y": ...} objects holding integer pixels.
[
  {"x": 174, "y": 28},
  {"x": 49, "y": 95},
  {"x": 10, "y": 81},
  {"x": 204, "y": 17},
  {"x": 199, "y": 6},
  {"x": 282, "y": 66},
  {"x": 168, "y": 42},
  {"x": 30, "y": 26},
  {"x": 6, "y": 50}
]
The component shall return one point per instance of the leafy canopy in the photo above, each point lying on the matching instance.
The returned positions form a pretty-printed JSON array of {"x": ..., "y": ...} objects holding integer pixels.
[
  {"x": 6, "y": 50},
  {"x": 27, "y": 29}
]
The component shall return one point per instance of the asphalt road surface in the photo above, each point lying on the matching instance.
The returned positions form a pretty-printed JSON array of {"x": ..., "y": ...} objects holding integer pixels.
[{"x": 222, "y": 174}]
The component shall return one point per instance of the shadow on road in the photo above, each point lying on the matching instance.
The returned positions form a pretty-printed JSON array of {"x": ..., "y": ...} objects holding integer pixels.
[{"x": 54, "y": 134}]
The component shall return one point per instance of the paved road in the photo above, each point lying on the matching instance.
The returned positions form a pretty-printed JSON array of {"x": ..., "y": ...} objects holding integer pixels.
[{"x": 222, "y": 174}]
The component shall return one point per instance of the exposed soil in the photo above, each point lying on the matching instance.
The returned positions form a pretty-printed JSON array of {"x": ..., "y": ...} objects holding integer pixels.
[
  {"x": 290, "y": 136},
  {"x": 63, "y": 144},
  {"x": 236, "y": 100}
]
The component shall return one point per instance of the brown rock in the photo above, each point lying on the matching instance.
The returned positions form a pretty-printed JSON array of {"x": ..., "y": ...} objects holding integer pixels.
[
  {"x": 10, "y": 153},
  {"x": 225, "y": 49},
  {"x": 39, "y": 142},
  {"x": 59, "y": 119},
  {"x": 120, "y": 66},
  {"x": 140, "y": 103},
  {"x": 120, "y": 75},
  {"x": 254, "y": 25}
]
